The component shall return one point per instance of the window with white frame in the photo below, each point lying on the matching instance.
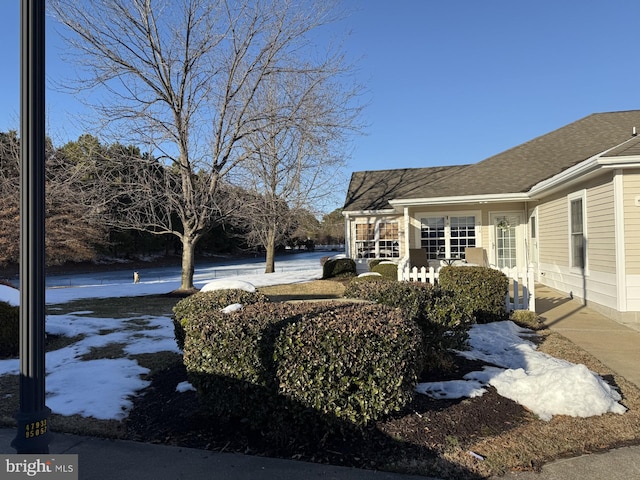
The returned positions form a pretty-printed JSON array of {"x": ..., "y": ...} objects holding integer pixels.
[
  {"x": 377, "y": 240},
  {"x": 577, "y": 232},
  {"x": 447, "y": 237}
]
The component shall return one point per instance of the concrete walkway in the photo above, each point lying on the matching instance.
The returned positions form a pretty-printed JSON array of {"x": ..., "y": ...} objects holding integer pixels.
[{"x": 614, "y": 344}]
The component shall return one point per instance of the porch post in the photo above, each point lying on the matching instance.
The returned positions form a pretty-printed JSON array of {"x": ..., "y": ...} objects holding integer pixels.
[
  {"x": 403, "y": 265},
  {"x": 407, "y": 235},
  {"x": 347, "y": 235}
]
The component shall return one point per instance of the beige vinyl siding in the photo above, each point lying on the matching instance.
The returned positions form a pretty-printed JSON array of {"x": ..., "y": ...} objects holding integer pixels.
[
  {"x": 601, "y": 251},
  {"x": 553, "y": 232},
  {"x": 632, "y": 222}
]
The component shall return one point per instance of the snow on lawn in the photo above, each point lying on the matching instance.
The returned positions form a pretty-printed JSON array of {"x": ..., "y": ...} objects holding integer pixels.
[
  {"x": 545, "y": 385},
  {"x": 103, "y": 388},
  {"x": 155, "y": 287},
  {"x": 10, "y": 295}
]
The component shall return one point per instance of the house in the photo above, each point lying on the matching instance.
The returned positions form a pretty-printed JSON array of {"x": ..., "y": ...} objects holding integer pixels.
[{"x": 565, "y": 205}]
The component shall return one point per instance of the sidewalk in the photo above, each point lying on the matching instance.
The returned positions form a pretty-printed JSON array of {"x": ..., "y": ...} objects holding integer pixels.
[
  {"x": 615, "y": 345},
  {"x": 103, "y": 459}
]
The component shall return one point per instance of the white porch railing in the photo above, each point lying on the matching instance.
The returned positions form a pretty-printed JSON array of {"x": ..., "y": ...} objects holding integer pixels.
[{"x": 521, "y": 295}]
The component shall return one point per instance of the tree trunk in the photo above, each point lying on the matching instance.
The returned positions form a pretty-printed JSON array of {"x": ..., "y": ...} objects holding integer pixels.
[
  {"x": 271, "y": 252},
  {"x": 188, "y": 262}
]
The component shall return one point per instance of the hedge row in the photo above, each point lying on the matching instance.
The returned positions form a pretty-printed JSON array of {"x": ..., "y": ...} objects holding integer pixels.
[
  {"x": 351, "y": 361},
  {"x": 276, "y": 362}
]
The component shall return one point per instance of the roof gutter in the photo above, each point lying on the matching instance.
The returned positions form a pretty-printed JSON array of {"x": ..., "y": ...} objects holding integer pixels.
[
  {"x": 485, "y": 198},
  {"x": 387, "y": 211},
  {"x": 620, "y": 162}
]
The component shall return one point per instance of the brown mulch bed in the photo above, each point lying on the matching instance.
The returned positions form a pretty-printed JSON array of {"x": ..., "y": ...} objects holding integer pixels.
[{"x": 421, "y": 432}]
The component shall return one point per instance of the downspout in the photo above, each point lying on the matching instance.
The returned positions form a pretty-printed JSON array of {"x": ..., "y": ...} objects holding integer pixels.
[{"x": 527, "y": 233}]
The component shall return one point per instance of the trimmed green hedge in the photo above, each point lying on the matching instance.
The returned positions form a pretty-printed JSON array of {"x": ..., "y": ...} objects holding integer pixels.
[
  {"x": 443, "y": 320},
  {"x": 229, "y": 358},
  {"x": 482, "y": 289},
  {"x": 338, "y": 267},
  {"x": 351, "y": 361},
  {"x": 203, "y": 302},
  {"x": 9, "y": 330},
  {"x": 273, "y": 363}
]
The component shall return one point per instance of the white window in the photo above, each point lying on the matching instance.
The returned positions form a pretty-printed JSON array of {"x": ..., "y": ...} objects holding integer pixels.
[
  {"x": 577, "y": 253},
  {"x": 377, "y": 240},
  {"x": 447, "y": 237}
]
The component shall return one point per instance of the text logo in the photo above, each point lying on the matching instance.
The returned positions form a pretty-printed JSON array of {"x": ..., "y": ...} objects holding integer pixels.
[{"x": 50, "y": 467}]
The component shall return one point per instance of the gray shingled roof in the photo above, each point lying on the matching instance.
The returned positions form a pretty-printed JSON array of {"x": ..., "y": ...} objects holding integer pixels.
[
  {"x": 513, "y": 171},
  {"x": 372, "y": 190}
]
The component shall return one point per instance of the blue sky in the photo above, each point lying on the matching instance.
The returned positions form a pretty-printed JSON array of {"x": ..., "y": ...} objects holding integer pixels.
[{"x": 447, "y": 82}]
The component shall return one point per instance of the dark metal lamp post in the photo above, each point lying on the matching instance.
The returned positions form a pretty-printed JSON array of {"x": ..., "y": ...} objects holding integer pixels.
[{"x": 33, "y": 434}]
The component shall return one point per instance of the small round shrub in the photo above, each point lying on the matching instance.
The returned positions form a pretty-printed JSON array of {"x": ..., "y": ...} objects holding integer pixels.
[
  {"x": 338, "y": 267},
  {"x": 373, "y": 262},
  {"x": 527, "y": 319},
  {"x": 387, "y": 270},
  {"x": 203, "y": 302},
  {"x": 481, "y": 289},
  {"x": 9, "y": 330}
]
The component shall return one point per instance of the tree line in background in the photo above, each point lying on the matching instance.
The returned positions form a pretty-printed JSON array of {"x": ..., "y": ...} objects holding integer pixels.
[{"x": 89, "y": 212}]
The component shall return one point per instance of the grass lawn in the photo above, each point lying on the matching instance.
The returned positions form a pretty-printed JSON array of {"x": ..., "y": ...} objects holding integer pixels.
[{"x": 446, "y": 430}]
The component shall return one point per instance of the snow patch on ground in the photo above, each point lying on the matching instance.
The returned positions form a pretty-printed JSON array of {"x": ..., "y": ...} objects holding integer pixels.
[
  {"x": 545, "y": 385},
  {"x": 228, "y": 284}
]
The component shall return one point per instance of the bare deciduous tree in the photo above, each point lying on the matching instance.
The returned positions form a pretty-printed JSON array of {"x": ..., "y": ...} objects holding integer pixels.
[
  {"x": 294, "y": 158},
  {"x": 182, "y": 78}
]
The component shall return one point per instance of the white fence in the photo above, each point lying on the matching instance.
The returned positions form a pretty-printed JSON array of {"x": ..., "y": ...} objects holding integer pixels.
[{"x": 521, "y": 295}]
